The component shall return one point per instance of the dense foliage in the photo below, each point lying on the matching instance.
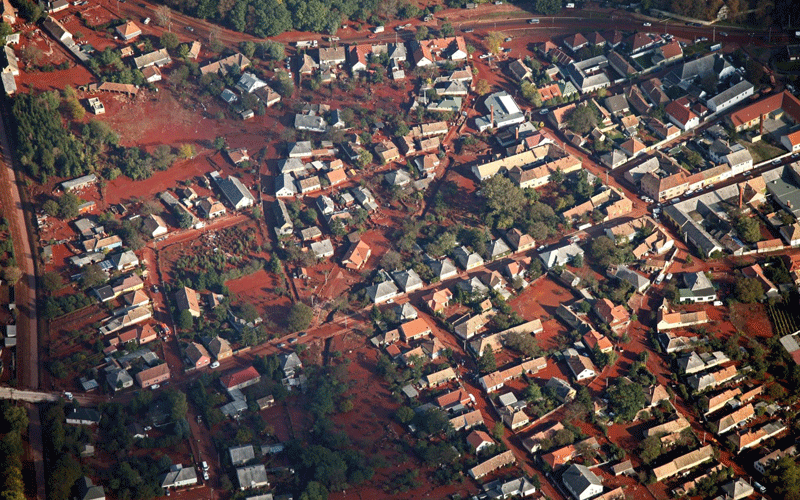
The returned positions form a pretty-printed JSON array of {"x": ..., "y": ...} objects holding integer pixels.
[
  {"x": 272, "y": 17},
  {"x": 44, "y": 146}
]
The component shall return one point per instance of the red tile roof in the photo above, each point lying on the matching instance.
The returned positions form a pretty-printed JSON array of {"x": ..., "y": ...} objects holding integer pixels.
[
  {"x": 680, "y": 113},
  {"x": 239, "y": 377},
  {"x": 785, "y": 100}
]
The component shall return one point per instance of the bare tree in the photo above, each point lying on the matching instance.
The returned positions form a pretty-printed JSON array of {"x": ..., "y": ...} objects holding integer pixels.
[{"x": 163, "y": 16}]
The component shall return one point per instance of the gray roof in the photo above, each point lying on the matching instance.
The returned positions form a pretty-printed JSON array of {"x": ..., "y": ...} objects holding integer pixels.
[
  {"x": 579, "y": 478},
  {"x": 236, "y": 192},
  {"x": 617, "y": 103},
  {"x": 783, "y": 184},
  {"x": 443, "y": 267},
  {"x": 240, "y": 455},
  {"x": 397, "y": 178},
  {"x": 250, "y": 82},
  {"x": 497, "y": 248},
  {"x": 157, "y": 57},
  {"x": 382, "y": 291},
  {"x": 285, "y": 183},
  {"x": 560, "y": 255},
  {"x": 252, "y": 477},
  {"x": 638, "y": 281},
  {"x": 80, "y": 181},
  {"x": 466, "y": 258},
  {"x": 322, "y": 248},
  {"x": 299, "y": 149},
  {"x": 732, "y": 92},
  {"x": 291, "y": 165},
  {"x": 308, "y": 122},
  {"x": 711, "y": 64},
  {"x": 407, "y": 279},
  {"x": 473, "y": 285},
  {"x": 180, "y": 476}
]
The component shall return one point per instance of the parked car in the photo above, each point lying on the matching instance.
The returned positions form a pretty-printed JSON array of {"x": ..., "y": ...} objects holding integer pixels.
[
  {"x": 646, "y": 24},
  {"x": 215, "y": 364},
  {"x": 282, "y": 344},
  {"x": 776, "y": 161},
  {"x": 190, "y": 29},
  {"x": 205, "y": 465},
  {"x": 154, "y": 387},
  {"x": 468, "y": 30},
  {"x": 544, "y": 111},
  {"x": 205, "y": 475},
  {"x": 533, "y": 21},
  {"x": 508, "y": 39}
]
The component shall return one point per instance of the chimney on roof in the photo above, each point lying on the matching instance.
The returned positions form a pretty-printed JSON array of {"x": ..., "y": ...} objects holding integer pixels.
[
  {"x": 517, "y": 134},
  {"x": 492, "y": 114}
]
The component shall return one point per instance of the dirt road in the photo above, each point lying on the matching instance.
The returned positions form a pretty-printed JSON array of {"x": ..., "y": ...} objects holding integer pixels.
[{"x": 27, "y": 325}]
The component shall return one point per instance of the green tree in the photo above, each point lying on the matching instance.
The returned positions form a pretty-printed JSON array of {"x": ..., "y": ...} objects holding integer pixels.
[
  {"x": 184, "y": 219},
  {"x": 92, "y": 276},
  {"x": 547, "y": 7},
  {"x": 523, "y": 343},
  {"x": 784, "y": 477},
  {"x": 68, "y": 205},
  {"x": 185, "y": 320},
  {"x": 404, "y": 414},
  {"x": 285, "y": 84},
  {"x": 603, "y": 251},
  {"x": 186, "y": 151},
  {"x": 487, "y": 362},
  {"x": 747, "y": 290},
  {"x": 422, "y": 33},
  {"x": 625, "y": 399},
  {"x": 582, "y": 120},
  {"x": 52, "y": 281},
  {"x": 16, "y": 418},
  {"x": 300, "y": 317},
  {"x": 748, "y": 228},
  {"x": 447, "y": 29},
  {"x": 650, "y": 449},
  {"x": 482, "y": 87},
  {"x": 169, "y": 40},
  {"x": 531, "y": 94}
]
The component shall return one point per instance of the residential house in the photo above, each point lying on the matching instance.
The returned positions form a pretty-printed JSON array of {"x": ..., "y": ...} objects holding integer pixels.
[
  {"x": 443, "y": 268},
  {"x": 156, "y": 58},
  {"x": 466, "y": 259},
  {"x": 382, "y": 292},
  {"x": 438, "y": 378},
  {"x": 519, "y": 241},
  {"x": 220, "y": 348},
  {"x": 581, "y": 367},
  {"x": 154, "y": 226},
  {"x": 581, "y": 482},
  {"x": 730, "y": 97},
  {"x": 128, "y": 31},
  {"x": 711, "y": 64},
  {"x": 240, "y": 379},
  {"x": 186, "y": 300},
  {"x": 240, "y": 455},
  {"x": 225, "y": 65},
  {"x": 576, "y": 42},
  {"x": 234, "y": 191},
  {"x": 616, "y": 317},
  {"x": 520, "y": 70},
  {"x": 154, "y": 375},
  {"x": 697, "y": 289},
  {"x": 252, "y": 477},
  {"x": 492, "y": 464},
  {"x": 667, "y": 320},
  {"x": 495, "y": 380},
  {"x": 684, "y": 463},
  {"x": 416, "y": 329},
  {"x": 197, "y": 355},
  {"x": 407, "y": 280},
  {"x": 479, "y": 440},
  {"x": 683, "y": 117},
  {"x": 467, "y": 420},
  {"x": 438, "y": 300},
  {"x": 749, "y": 438},
  {"x": 763, "y": 464},
  {"x": 322, "y": 249},
  {"x": 210, "y": 208},
  {"x": 560, "y": 256},
  {"x": 667, "y": 53},
  {"x": 737, "y": 418},
  {"x": 179, "y": 476},
  {"x": 87, "y": 490},
  {"x": 357, "y": 255}
]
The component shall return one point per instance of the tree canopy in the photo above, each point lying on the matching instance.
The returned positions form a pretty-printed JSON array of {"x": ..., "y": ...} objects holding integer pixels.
[{"x": 625, "y": 399}]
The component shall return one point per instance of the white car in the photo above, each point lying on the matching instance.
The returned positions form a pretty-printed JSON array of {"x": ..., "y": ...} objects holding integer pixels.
[
  {"x": 646, "y": 24},
  {"x": 215, "y": 364},
  {"x": 544, "y": 111},
  {"x": 205, "y": 475},
  {"x": 154, "y": 387}
]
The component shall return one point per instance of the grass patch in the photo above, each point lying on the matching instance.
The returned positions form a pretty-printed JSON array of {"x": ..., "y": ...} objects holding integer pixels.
[{"x": 761, "y": 151}]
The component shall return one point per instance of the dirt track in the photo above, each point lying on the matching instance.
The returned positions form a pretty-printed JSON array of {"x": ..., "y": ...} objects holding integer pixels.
[{"x": 27, "y": 324}]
